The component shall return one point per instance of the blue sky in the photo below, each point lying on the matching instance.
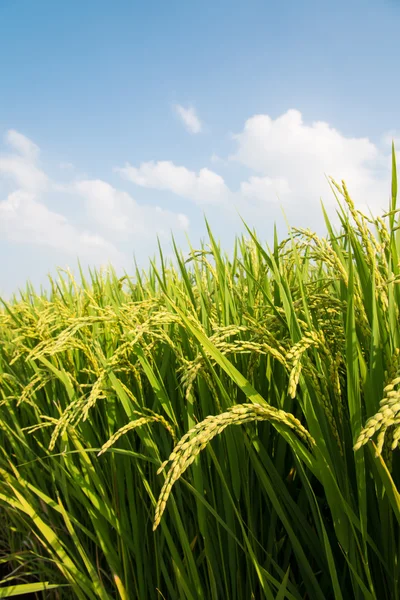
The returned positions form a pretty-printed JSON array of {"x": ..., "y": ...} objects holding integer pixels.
[{"x": 127, "y": 120}]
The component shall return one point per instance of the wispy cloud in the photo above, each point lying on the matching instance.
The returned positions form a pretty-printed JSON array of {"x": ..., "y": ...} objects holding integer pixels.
[
  {"x": 66, "y": 166},
  {"x": 189, "y": 118},
  {"x": 217, "y": 160}
]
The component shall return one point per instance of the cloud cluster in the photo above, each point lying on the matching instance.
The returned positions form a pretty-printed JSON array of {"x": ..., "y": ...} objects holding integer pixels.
[
  {"x": 25, "y": 216},
  {"x": 293, "y": 159},
  {"x": 281, "y": 161},
  {"x": 288, "y": 163}
]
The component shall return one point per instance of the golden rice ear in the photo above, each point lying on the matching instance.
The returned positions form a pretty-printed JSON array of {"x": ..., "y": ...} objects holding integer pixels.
[
  {"x": 143, "y": 420},
  {"x": 387, "y": 416},
  {"x": 197, "y": 439}
]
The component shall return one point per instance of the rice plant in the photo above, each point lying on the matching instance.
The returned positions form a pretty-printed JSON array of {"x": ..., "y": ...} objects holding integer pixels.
[{"x": 217, "y": 427}]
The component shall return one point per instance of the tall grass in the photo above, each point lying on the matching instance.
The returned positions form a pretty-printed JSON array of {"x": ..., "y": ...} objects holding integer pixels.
[{"x": 246, "y": 408}]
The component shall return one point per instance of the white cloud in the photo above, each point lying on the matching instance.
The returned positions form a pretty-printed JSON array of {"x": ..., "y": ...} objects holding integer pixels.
[
  {"x": 103, "y": 203},
  {"x": 27, "y": 176},
  {"x": 24, "y": 219},
  {"x": 189, "y": 118},
  {"x": 204, "y": 187},
  {"x": 21, "y": 167},
  {"x": 22, "y": 145},
  {"x": 115, "y": 210},
  {"x": 264, "y": 187},
  {"x": 297, "y": 157}
]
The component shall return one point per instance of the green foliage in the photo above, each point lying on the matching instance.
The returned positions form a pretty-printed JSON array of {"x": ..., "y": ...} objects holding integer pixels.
[{"x": 264, "y": 391}]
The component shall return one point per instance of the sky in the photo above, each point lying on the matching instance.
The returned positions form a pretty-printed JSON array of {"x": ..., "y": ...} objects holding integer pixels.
[{"x": 123, "y": 122}]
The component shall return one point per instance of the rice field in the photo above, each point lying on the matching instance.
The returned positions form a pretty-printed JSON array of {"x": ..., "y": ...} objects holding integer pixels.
[{"x": 217, "y": 427}]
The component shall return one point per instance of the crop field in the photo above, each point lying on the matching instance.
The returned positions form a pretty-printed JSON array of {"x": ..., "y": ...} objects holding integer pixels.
[{"x": 218, "y": 427}]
